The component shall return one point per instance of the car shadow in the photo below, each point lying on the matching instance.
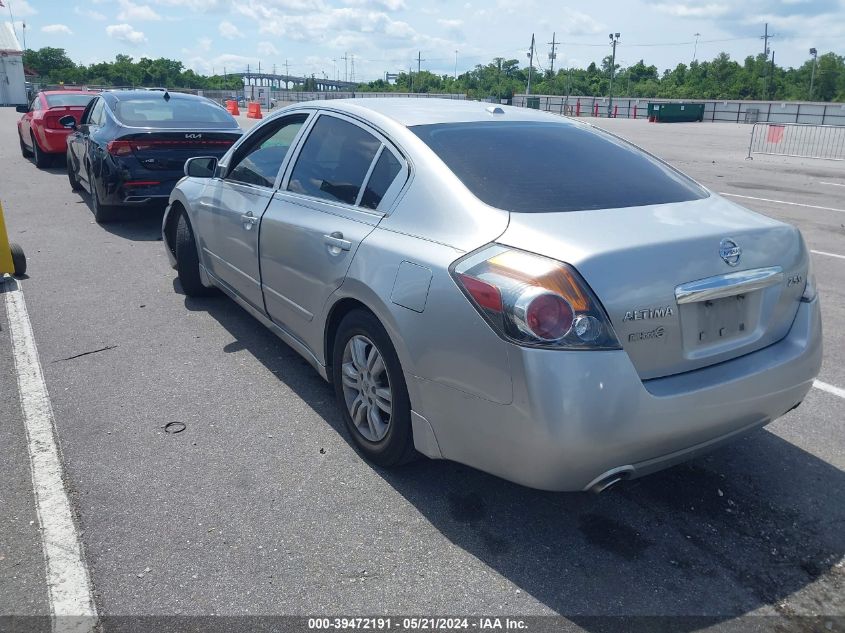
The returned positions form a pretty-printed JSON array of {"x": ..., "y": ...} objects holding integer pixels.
[
  {"x": 140, "y": 223},
  {"x": 723, "y": 536}
]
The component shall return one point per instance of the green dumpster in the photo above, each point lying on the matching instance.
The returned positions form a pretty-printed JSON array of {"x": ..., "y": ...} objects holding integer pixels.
[
  {"x": 532, "y": 102},
  {"x": 676, "y": 112}
]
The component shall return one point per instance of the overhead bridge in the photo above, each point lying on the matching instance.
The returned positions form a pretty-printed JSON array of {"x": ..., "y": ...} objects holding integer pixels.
[{"x": 284, "y": 82}]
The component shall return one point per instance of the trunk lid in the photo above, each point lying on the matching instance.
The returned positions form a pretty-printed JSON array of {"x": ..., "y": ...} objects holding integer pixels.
[
  {"x": 675, "y": 303},
  {"x": 52, "y": 116},
  {"x": 168, "y": 150}
]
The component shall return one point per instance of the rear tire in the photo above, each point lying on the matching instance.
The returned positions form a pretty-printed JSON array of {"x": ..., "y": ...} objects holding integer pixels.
[
  {"x": 187, "y": 260},
  {"x": 360, "y": 391},
  {"x": 25, "y": 151},
  {"x": 41, "y": 158},
  {"x": 102, "y": 213},
  {"x": 18, "y": 259}
]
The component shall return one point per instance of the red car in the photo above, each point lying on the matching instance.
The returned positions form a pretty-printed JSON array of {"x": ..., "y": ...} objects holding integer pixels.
[{"x": 39, "y": 130}]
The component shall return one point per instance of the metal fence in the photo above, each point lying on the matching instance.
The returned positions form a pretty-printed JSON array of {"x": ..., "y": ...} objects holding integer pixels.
[
  {"x": 727, "y": 111},
  {"x": 799, "y": 140}
]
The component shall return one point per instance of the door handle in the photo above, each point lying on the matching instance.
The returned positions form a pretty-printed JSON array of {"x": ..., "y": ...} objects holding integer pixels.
[
  {"x": 248, "y": 220},
  {"x": 335, "y": 240}
]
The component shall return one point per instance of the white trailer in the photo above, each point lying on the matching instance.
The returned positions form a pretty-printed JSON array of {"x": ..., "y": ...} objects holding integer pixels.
[{"x": 12, "y": 80}]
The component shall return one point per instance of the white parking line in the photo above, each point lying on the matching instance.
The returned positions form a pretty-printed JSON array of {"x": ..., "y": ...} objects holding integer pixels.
[
  {"x": 836, "y": 391},
  {"x": 832, "y": 184},
  {"x": 68, "y": 583},
  {"x": 828, "y": 254},
  {"x": 795, "y": 204}
]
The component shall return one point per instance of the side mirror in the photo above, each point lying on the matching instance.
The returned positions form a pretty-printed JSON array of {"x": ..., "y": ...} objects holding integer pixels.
[
  {"x": 22, "y": 108},
  {"x": 201, "y": 167},
  {"x": 68, "y": 122}
]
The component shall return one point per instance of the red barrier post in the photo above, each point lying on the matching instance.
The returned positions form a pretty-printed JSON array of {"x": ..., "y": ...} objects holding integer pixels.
[
  {"x": 596, "y": 110},
  {"x": 615, "y": 111},
  {"x": 635, "y": 111},
  {"x": 578, "y": 108}
]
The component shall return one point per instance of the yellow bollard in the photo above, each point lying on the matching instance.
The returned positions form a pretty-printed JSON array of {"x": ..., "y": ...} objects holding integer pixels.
[{"x": 12, "y": 259}]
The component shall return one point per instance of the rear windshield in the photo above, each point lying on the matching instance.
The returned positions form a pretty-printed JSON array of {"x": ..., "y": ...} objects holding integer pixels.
[
  {"x": 68, "y": 100},
  {"x": 536, "y": 167},
  {"x": 173, "y": 113}
]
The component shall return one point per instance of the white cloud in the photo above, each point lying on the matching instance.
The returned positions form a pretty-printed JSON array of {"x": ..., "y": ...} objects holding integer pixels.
[
  {"x": 131, "y": 11},
  {"x": 229, "y": 30},
  {"x": 56, "y": 28},
  {"x": 22, "y": 9},
  {"x": 267, "y": 49},
  {"x": 388, "y": 5},
  {"x": 202, "y": 6},
  {"x": 125, "y": 33},
  {"x": 713, "y": 10},
  {"x": 89, "y": 13}
]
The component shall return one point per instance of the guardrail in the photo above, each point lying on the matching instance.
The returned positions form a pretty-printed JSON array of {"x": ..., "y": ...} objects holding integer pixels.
[{"x": 798, "y": 139}]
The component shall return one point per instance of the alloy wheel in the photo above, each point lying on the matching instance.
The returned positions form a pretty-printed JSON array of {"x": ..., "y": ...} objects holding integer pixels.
[{"x": 366, "y": 388}]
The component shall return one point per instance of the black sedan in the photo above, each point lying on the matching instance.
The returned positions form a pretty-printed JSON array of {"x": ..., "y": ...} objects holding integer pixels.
[{"x": 130, "y": 146}]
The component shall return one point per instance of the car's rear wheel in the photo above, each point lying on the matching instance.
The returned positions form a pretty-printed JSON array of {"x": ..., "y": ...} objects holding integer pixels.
[
  {"x": 102, "y": 213},
  {"x": 25, "y": 151},
  {"x": 18, "y": 259},
  {"x": 187, "y": 260},
  {"x": 371, "y": 390},
  {"x": 42, "y": 159},
  {"x": 71, "y": 177}
]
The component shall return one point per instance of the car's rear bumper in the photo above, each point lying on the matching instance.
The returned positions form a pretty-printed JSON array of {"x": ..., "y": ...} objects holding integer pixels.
[{"x": 578, "y": 417}]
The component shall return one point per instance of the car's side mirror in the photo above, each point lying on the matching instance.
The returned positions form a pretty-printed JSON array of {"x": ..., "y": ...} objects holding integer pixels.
[
  {"x": 201, "y": 167},
  {"x": 67, "y": 121},
  {"x": 22, "y": 108}
]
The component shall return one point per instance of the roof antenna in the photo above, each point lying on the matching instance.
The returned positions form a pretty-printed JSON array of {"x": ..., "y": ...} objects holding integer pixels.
[{"x": 166, "y": 96}]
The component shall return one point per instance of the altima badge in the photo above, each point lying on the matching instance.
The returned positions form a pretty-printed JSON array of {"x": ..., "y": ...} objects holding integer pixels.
[
  {"x": 729, "y": 252},
  {"x": 649, "y": 313}
]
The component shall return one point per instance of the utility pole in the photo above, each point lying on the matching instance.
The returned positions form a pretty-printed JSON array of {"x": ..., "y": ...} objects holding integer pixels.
[
  {"x": 815, "y": 54},
  {"x": 695, "y": 48},
  {"x": 352, "y": 77},
  {"x": 614, "y": 39},
  {"x": 530, "y": 65},
  {"x": 772, "y": 86},
  {"x": 765, "y": 37},
  {"x": 287, "y": 68},
  {"x": 345, "y": 59},
  {"x": 553, "y": 54},
  {"x": 410, "y": 78},
  {"x": 456, "y": 64}
]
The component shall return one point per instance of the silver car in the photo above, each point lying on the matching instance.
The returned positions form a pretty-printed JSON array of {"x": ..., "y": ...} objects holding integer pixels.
[{"x": 501, "y": 287}]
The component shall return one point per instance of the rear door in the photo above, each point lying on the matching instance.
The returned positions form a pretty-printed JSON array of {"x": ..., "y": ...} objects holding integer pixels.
[
  {"x": 335, "y": 193},
  {"x": 230, "y": 207}
]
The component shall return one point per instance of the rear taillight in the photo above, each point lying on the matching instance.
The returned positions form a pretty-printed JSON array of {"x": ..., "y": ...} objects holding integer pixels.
[
  {"x": 119, "y": 148},
  {"x": 124, "y": 148},
  {"x": 533, "y": 300}
]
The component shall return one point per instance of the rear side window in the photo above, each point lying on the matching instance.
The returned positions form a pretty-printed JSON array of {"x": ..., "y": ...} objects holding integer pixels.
[
  {"x": 68, "y": 100},
  {"x": 334, "y": 161},
  {"x": 536, "y": 167},
  {"x": 384, "y": 173},
  {"x": 259, "y": 161},
  {"x": 176, "y": 112}
]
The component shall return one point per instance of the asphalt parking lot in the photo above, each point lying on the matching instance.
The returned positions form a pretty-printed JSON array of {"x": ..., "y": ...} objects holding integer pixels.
[{"x": 262, "y": 507}]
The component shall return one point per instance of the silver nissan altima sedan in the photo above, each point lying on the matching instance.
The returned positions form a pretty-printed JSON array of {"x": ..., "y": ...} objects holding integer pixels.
[{"x": 509, "y": 289}]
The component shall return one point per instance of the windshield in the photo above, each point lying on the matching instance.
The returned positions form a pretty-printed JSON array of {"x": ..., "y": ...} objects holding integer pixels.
[
  {"x": 536, "y": 167},
  {"x": 156, "y": 111},
  {"x": 68, "y": 100}
]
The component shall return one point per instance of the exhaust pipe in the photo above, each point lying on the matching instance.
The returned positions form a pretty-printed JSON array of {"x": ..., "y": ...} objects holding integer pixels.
[{"x": 609, "y": 478}]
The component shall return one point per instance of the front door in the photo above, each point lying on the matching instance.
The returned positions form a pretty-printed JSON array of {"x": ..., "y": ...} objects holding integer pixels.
[{"x": 230, "y": 208}]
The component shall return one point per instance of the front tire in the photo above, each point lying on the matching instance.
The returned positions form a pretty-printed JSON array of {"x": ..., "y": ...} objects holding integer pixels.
[
  {"x": 102, "y": 213},
  {"x": 74, "y": 183},
  {"x": 25, "y": 151},
  {"x": 371, "y": 391},
  {"x": 41, "y": 158},
  {"x": 187, "y": 260},
  {"x": 18, "y": 259}
]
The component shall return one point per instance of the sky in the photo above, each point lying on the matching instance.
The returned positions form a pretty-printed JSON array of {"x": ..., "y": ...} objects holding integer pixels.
[{"x": 314, "y": 36}]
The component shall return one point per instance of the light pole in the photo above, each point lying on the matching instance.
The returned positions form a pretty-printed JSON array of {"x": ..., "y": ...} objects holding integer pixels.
[
  {"x": 530, "y": 65},
  {"x": 456, "y": 64},
  {"x": 695, "y": 48},
  {"x": 614, "y": 39},
  {"x": 815, "y": 54}
]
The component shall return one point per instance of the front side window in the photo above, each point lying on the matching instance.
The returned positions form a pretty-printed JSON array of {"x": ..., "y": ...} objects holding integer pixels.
[
  {"x": 334, "y": 161},
  {"x": 537, "y": 167},
  {"x": 259, "y": 160}
]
